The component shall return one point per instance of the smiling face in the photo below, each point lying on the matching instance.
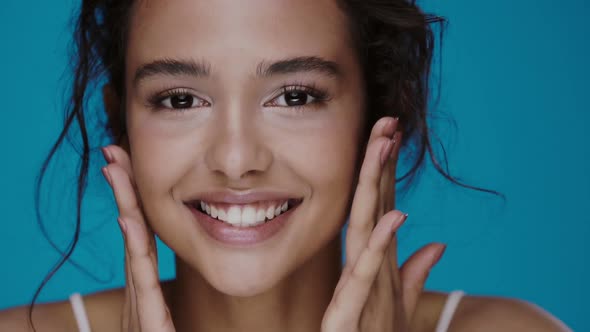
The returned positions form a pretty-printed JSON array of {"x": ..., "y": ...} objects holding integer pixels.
[{"x": 243, "y": 107}]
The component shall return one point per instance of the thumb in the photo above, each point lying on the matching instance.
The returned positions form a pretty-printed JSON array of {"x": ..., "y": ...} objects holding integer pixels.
[{"x": 414, "y": 273}]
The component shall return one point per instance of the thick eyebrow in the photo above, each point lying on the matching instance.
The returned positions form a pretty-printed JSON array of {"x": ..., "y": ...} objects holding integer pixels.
[
  {"x": 299, "y": 64},
  {"x": 175, "y": 67},
  {"x": 171, "y": 67}
]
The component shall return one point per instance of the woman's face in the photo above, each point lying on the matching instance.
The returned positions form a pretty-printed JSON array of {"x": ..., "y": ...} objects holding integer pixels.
[{"x": 243, "y": 105}]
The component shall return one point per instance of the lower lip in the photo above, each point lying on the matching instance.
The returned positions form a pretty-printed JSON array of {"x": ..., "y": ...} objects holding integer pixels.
[{"x": 241, "y": 236}]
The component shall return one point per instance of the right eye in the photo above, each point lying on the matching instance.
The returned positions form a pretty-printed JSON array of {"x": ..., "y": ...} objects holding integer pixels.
[{"x": 179, "y": 100}]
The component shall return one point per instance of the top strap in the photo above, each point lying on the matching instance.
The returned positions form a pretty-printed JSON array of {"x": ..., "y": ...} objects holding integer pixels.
[
  {"x": 80, "y": 312},
  {"x": 449, "y": 310}
]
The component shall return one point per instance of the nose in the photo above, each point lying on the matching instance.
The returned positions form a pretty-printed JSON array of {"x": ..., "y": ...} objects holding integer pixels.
[{"x": 236, "y": 150}]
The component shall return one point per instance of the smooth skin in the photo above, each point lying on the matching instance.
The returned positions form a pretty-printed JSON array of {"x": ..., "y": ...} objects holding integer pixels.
[
  {"x": 367, "y": 243},
  {"x": 240, "y": 135}
]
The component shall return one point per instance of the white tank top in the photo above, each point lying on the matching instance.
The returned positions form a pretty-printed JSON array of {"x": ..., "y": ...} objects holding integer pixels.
[
  {"x": 449, "y": 310},
  {"x": 443, "y": 322}
]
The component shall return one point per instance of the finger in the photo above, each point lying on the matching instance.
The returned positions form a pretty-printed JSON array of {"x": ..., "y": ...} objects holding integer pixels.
[
  {"x": 414, "y": 273},
  {"x": 131, "y": 320},
  {"x": 127, "y": 202},
  {"x": 151, "y": 307},
  {"x": 126, "y": 199},
  {"x": 350, "y": 298},
  {"x": 123, "y": 190},
  {"x": 140, "y": 248},
  {"x": 387, "y": 183},
  {"x": 387, "y": 204},
  {"x": 386, "y": 126},
  {"x": 116, "y": 154},
  {"x": 130, "y": 308},
  {"x": 363, "y": 212}
]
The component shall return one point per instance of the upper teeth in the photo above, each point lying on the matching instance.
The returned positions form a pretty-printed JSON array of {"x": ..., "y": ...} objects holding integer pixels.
[{"x": 245, "y": 215}]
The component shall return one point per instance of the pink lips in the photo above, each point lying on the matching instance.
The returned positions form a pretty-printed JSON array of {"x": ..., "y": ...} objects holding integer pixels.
[
  {"x": 248, "y": 197},
  {"x": 240, "y": 236}
]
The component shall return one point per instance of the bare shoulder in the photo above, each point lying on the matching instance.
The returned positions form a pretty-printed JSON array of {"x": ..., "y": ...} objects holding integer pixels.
[
  {"x": 491, "y": 314},
  {"x": 481, "y": 313},
  {"x": 103, "y": 309},
  {"x": 46, "y": 318}
]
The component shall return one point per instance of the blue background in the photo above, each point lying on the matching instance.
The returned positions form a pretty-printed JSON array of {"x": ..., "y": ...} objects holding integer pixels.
[{"x": 514, "y": 81}]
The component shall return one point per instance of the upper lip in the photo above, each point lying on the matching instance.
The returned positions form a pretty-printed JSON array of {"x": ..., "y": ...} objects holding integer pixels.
[{"x": 242, "y": 197}]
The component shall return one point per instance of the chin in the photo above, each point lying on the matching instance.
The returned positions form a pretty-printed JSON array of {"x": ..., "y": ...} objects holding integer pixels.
[
  {"x": 242, "y": 287},
  {"x": 245, "y": 280}
]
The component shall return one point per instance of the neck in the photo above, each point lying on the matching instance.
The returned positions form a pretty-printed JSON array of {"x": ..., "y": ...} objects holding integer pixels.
[{"x": 296, "y": 303}]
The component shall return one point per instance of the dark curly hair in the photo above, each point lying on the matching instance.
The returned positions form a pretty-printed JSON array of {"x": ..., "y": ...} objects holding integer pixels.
[{"x": 395, "y": 44}]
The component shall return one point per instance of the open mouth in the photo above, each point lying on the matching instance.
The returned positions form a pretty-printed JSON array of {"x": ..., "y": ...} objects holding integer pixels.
[{"x": 246, "y": 215}]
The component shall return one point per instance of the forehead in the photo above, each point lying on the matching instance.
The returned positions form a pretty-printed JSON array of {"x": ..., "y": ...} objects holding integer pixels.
[{"x": 227, "y": 32}]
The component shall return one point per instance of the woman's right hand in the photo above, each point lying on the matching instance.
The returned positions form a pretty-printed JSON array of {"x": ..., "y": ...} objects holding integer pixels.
[{"x": 145, "y": 309}]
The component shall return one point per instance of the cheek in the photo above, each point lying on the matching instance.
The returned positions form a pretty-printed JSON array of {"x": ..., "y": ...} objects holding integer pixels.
[
  {"x": 160, "y": 157},
  {"x": 337, "y": 152},
  {"x": 331, "y": 162},
  {"x": 328, "y": 158},
  {"x": 326, "y": 161}
]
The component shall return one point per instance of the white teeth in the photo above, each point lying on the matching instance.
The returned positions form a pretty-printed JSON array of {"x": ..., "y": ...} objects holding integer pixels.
[
  {"x": 248, "y": 216},
  {"x": 270, "y": 213},
  {"x": 221, "y": 215},
  {"x": 244, "y": 215},
  {"x": 234, "y": 216},
  {"x": 260, "y": 216}
]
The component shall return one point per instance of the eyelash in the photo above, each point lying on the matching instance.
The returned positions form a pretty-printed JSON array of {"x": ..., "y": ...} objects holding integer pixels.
[
  {"x": 319, "y": 96},
  {"x": 155, "y": 102}
]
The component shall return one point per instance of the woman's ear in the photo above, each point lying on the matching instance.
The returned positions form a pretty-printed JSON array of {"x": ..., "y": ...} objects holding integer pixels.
[{"x": 115, "y": 117}]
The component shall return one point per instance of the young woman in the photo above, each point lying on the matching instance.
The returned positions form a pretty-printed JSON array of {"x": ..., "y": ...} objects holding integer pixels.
[{"x": 245, "y": 135}]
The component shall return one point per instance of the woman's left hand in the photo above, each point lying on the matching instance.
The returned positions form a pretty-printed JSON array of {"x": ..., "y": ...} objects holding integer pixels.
[{"x": 373, "y": 294}]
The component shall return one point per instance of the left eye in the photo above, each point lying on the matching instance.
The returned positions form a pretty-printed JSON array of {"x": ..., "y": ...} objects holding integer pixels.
[
  {"x": 179, "y": 101},
  {"x": 294, "y": 98},
  {"x": 182, "y": 101},
  {"x": 298, "y": 96}
]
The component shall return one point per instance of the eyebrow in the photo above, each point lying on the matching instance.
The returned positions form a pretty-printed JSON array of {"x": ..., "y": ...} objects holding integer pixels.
[
  {"x": 299, "y": 64},
  {"x": 174, "y": 67},
  {"x": 171, "y": 67}
]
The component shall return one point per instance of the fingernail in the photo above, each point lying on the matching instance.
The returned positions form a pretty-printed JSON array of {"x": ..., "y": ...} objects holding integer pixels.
[
  {"x": 399, "y": 222},
  {"x": 392, "y": 127},
  {"x": 439, "y": 253},
  {"x": 107, "y": 155},
  {"x": 107, "y": 175},
  {"x": 122, "y": 225},
  {"x": 386, "y": 152}
]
